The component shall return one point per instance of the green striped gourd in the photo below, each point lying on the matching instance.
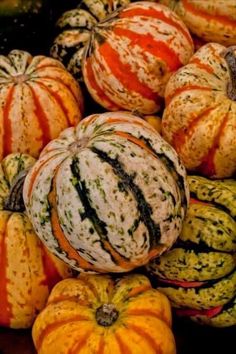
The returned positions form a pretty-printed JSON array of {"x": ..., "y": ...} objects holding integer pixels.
[
  {"x": 108, "y": 195},
  {"x": 199, "y": 273}
]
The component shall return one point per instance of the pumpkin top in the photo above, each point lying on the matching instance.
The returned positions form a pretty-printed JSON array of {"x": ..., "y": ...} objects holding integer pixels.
[{"x": 10, "y": 168}]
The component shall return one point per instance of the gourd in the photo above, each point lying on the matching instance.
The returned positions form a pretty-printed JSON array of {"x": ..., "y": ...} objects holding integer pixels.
[
  {"x": 97, "y": 314},
  {"x": 214, "y": 21},
  {"x": 107, "y": 195},
  {"x": 38, "y": 99},
  {"x": 27, "y": 270},
  {"x": 199, "y": 273},
  {"x": 128, "y": 57},
  {"x": 199, "y": 120}
]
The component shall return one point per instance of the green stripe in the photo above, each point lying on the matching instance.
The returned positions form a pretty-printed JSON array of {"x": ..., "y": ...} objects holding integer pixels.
[{"x": 127, "y": 183}]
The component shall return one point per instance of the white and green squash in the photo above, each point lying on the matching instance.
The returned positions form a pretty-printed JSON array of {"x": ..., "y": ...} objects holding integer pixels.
[{"x": 199, "y": 273}]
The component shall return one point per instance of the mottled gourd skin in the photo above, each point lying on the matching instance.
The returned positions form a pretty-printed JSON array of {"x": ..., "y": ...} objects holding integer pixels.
[
  {"x": 108, "y": 195},
  {"x": 137, "y": 318},
  {"x": 74, "y": 29},
  {"x": 214, "y": 21},
  {"x": 38, "y": 99},
  {"x": 27, "y": 270},
  {"x": 127, "y": 58},
  {"x": 199, "y": 273},
  {"x": 200, "y": 118}
]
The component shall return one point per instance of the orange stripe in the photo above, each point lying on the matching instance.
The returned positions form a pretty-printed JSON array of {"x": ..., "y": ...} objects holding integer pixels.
[
  {"x": 188, "y": 6},
  {"x": 180, "y": 90},
  {"x": 184, "y": 134},
  {"x": 101, "y": 346},
  {"x": 196, "y": 201},
  {"x": 51, "y": 274},
  {"x": 148, "y": 44},
  {"x": 157, "y": 14},
  {"x": 46, "y": 66},
  {"x": 59, "y": 235},
  {"x": 134, "y": 140},
  {"x": 149, "y": 339},
  {"x": 207, "y": 167},
  {"x": 59, "y": 101},
  {"x": 201, "y": 65},
  {"x": 138, "y": 290},
  {"x": 5, "y": 305},
  {"x": 60, "y": 81},
  {"x": 42, "y": 118},
  {"x": 120, "y": 261},
  {"x": 90, "y": 120},
  {"x": 123, "y": 73},
  {"x": 7, "y": 131},
  {"x": 35, "y": 173},
  {"x": 150, "y": 313},
  {"x": 54, "y": 326},
  {"x": 123, "y": 347},
  {"x": 90, "y": 78},
  {"x": 80, "y": 343},
  {"x": 133, "y": 122}
]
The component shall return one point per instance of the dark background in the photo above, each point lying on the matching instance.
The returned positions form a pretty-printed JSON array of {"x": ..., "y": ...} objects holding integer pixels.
[{"x": 34, "y": 33}]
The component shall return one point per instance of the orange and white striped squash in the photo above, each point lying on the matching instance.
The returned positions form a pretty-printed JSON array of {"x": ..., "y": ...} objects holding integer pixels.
[
  {"x": 108, "y": 195},
  {"x": 132, "y": 54},
  {"x": 200, "y": 115},
  {"x": 27, "y": 270},
  {"x": 214, "y": 21},
  {"x": 100, "y": 315},
  {"x": 38, "y": 99}
]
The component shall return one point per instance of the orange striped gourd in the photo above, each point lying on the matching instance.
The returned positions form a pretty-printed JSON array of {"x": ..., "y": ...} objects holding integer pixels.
[
  {"x": 126, "y": 58},
  {"x": 100, "y": 315},
  {"x": 214, "y": 21},
  {"x": 108, "y": 195},
  {"x": 38, "y": 99},
  {"x": 27, "y": 270},
  {"x": 200, "y": 115}
]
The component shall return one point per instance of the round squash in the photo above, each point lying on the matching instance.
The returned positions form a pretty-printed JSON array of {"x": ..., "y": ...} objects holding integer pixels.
[
  {"x": 199, "y": 273},
  {"x": 200, "y": 115},
  {"x": 38, "y": 99},
  {"x": 128, "y": 57},
  {"x": 214, "y": 21},
  {"x": 108, "y": 195},
  {"x": 27, "y": 270},
  {"x": 96, "y": 314}
]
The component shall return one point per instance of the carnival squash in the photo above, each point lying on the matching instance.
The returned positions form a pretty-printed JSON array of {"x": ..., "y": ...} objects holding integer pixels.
[
  {"x": 27, "y": 270},
  {"x": 126, "y": 58},
  {"x": 214, "y": 21},
  {"x": 200, "y": 115},
  {"x": 38, "y": 99},
  {"x": 108, "y": 195},
  {"x": 96, "y": 314},
  {"x": 199, "y": 273}
]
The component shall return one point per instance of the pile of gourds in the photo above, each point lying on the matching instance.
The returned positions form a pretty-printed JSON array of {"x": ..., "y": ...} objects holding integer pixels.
[{"x": 109, "y": 193}]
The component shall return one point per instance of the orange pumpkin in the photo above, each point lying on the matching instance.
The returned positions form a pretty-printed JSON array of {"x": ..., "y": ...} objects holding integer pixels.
[
  {"x": 200, "y": 115},
  {"x": 131, "y": 55},
  {"x": 27, "y": 270},
  {"x": 98, "y": 315},
  {"x": 38, "y": 99},
  {"x": 214, "y": 21}
]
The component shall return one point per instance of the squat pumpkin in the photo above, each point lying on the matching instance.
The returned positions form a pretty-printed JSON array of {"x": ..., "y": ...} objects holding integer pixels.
[
  {"x": 38, "y": 99},
  {"x": 108, "y": 195},
  {"x": 27, "y": 270},
  {"x": 200, "y": 115},
  {"x": 96, "y": 314}
]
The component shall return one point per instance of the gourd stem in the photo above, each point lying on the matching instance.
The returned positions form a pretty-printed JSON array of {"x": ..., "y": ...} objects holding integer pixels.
[
  {"x": 106, "y": 315},
  {"x": 14, "y": 201},
  {"x": 230, "y": 57}
]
